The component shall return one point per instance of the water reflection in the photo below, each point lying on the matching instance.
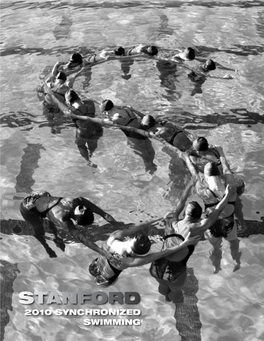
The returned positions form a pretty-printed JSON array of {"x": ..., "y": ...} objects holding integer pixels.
[
  {"x": 63, "y": 29},
  {"x": 187, "y": 315},
  {"x": 29, "y": 162},
  {"x": 8, "y": 274}
]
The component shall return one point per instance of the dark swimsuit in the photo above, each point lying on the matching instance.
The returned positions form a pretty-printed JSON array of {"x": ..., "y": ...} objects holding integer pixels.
[
  {"x": 99, "y": 278},
  {"x": 132, "y": 133},
  {"x": 169, "y": 270}
]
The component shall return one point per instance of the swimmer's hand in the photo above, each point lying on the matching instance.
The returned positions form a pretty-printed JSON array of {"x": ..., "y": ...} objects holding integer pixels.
[{"x": 191, "y": 240}]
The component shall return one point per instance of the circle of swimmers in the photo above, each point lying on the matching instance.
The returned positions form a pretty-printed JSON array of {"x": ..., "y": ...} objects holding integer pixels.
[{"x": 211, "y": 176}]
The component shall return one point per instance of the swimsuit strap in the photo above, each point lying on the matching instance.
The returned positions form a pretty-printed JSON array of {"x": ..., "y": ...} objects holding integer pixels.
[
  {"x": 174, "y": 135},
  {"x": 173, "y": 235},
  {"x": 44, "y": 213}
]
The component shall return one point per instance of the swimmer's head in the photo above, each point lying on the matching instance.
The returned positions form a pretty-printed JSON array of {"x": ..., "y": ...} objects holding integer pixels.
[
  {"x": 106, "y": 105},
  {"x": 83, "y": 215},
  {"x": 213, "y": 177},
  {"x": 61, "y": 76},
  {"x": 141, "y": 244},
  {"x": 189, "y": 53},
  {"x": 71, "y": 96},
  {"x": 148, "y": 121},
  {"x": 209, "y": 65},
  {"x": 211, "y": 169},
  {"x": 75, "y": 60},
  {"x": 200, "y": 144},
  {"x": 119, "y": 51},
  {"x": 151, "y": 50},
  {"x": 193, "y": 210}
]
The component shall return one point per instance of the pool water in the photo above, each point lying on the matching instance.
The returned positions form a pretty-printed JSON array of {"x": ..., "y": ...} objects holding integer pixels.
[{"x": 38, "y": 152}]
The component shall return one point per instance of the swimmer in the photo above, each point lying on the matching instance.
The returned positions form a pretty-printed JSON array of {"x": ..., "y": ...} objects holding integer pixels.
[
  {"x": 202, "y": 72},
  {"x": 58, "y": 86},
  {"x": 202, "y": 153},
  {"x": 171, "y": 271},
  {"x": 138, "y": 50},
  {"x": 125, "y": 116},
  {"x": 169, "y": 58},
  {"x": 65, "y": 214},
  {"x": 87, "y": 132},
  {"x": 128, "y": 250},
  {"x": 211, "y": 192},
  {"x": 166, "y": 130}
]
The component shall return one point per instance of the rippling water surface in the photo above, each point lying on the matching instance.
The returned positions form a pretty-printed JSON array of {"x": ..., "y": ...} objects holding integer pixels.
[{"x": 38, "y": 152}]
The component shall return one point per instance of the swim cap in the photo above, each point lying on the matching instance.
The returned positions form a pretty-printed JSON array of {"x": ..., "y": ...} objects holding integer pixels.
[
  {"x": 106, "y": 105},
  {"x": 210, "y": 65},
  {"x": 148, "y": 121},
  {"x": 141, "y": 245},
  {"x": 71, "y": 96},
  {"x": 189, "y": 53},
  {"x": 193, "y": 210},
  {"x": 87, "y": 218},
  {"x": 62, "y": 76},
  {"x": 119, "y": 51},
  {"x": 211, "y": 169},
  {"x": 76, "y": 58},
  {"x": 200, "y": 144}
]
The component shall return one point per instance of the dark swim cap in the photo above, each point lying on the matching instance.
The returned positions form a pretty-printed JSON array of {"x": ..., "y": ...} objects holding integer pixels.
[
  {"x": 71, "y": 96},
  {"x": 148, "y": 121},
  {"x": 210, "y": 65},
  {"x": 76, "y": 58},
  {"x": 200, "y": 144},
  {"x": 193, "y": 210},
  {"x": 152, "y": 50},
  {"x": 85, "y": 219},
  {"x": 190, "y": 53},
  {"x": 141, "y": 245},
  {"x": 119, "y": 51},
  {"x": 106, "y": 105},
  {"x": 211, "y": 169},
  {"x": 62, "y": 76}
]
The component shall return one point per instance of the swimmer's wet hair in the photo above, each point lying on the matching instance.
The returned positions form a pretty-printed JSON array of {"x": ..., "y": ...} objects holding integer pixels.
[
  {"x": 106, "y": 105},
  {"x": 200, "y": 144},
  {"x": 211, "y": 169},
  {"x": 119, "y": 51},
  {"x": 190, "y": 53},
  {"x": 62, "y": 76},
  {"x": 76, "y": 58},
  {"x": 209, "y": 65},
  {"x": 71, "y": 96},
  {"x": 141, "y": 245},
  {"x": 193, "y": 210},
  {"x": 85, "y": 219}
]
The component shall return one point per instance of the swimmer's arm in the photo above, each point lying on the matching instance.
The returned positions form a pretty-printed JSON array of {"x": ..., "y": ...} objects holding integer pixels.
[
  {"x": 140, "y": 114},
  {"x": 191, "y": 168},
  {"x": 55, "y": 71},
  {"x": 89, "y": 119},
  {"x": 138, "y": 261},
  {"x": 99, "y": 211},
  {"x": 211, "y": 219},
  {"x": 78, "y": 235},
  {"x": 226, "y": 167},
  {"x": 132, "y": 230},
  {"x": 182, "y": 201}
]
